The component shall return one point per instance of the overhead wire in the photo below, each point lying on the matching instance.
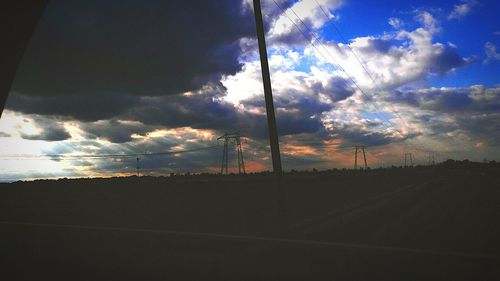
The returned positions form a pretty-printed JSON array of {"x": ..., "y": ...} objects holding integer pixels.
[
  {"x": 335, "y": 63},
  {"x": 390, "y": 125},
  {"x": 130, "y": 155},
  {"x": 97, "y": 156},
  {"x": 363, "y": 65}
]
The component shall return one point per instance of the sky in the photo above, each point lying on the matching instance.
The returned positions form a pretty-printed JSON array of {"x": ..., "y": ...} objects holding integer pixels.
[{"x": 104, "y": 78}]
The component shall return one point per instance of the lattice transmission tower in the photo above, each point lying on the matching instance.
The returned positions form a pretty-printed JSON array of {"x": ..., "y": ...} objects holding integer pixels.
[
  {"x": 234, "y": 138},
  {"x": 359, "y": 148},
  {"x": 408, "y": 160},
  {"x": 431, "y": 159},
  {"x": 138, "y": 171}
]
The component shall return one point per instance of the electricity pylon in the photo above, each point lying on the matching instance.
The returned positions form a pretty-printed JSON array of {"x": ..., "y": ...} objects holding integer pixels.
[
  {"x": 236, "y": 139},
  {"x": 408, "y": 160},
  {"x": 138, "y": 173},
  {"x": 432, "y": 159},
  {"x": 361, "y": 149}
]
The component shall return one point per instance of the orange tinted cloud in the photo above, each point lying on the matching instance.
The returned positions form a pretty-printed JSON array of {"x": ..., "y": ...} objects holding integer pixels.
[
  {"x": 254, "y": 166},
  {"x": 299, "y": 150}
]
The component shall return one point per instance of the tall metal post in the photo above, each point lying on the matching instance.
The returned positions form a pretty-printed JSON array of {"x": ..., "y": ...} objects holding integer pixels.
[
  {"x": 408, "y": 159},
  {"x": 224, "y": 156},
  {"x": 138, "y": 173},
  {"x": 241, "y": 162},
  {"x": 431, "y": 159},
  {"x": 364, "y": 156},
  {"x": 360, "y": 149},
  {"x": 266, "y": 80},
  {"x": 355, "y": 158}
]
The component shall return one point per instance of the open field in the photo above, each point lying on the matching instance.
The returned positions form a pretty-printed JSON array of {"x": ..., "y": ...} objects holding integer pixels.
[{"x": 424, "y": 223}]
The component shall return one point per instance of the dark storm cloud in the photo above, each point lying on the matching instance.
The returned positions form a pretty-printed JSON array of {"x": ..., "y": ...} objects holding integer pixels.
[
  {"x": 292, "y": 38},
  {"x": 296, "y": 113},
  {"x": 132, "y": 47},
  {"x": 199, "y": 110},
  {"x": 360, "y": 137},
  {"x": 406, "y": 97},
  {"x": 81, "y": 163},
  {"x": 474, "y": 110},
  {"x": 98, "y": 62},
  {"x": 115, "y": 131},
  {"x": 90, "y": 107},
  {"x": 377, "y": 45},
  {"x": 485, "y": 127},
  {"x": 447, "y": 60},
  {"x": 297, "y": 101},
  {"x": 336, "y": 88},
  {"x": 299, "y": 111},
  {"x": 290, "y": 123},
  {"x": 203, "y": 112},
  {"x": 270, "y": 11},
  {"x": 473, "y": 99},
  {"x": 367, "y": 132},
  {"x": 51, "y": 130},
  {"x": 49, "y": 134},
  {"x": 480, "y": 127}
]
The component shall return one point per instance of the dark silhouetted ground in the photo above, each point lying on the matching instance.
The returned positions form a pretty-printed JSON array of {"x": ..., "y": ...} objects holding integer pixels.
[{"x": 423, "y": 223}]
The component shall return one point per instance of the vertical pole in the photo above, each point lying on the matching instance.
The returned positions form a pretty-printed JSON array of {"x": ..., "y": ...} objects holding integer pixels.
[
  {"x": 405, "y": 159},
  {"x": 239, "y": 155},
  {"x": 355, "y": 158},
  {"x": 364, "y": 156},
  {"x": 266, "y": 80},
  {"x": 223, "y": 157},
  {"x": 241, "y": 163},
  {"x": 138, "y": 174},
  {"x": 226, "y": 153}
]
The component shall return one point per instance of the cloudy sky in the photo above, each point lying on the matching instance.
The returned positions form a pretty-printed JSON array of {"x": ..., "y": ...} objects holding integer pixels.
[{"x": 127, "y": 77}]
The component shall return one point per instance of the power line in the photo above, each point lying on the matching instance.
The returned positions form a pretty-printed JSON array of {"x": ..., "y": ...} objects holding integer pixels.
[
  {"x": 335, "y": 63},
  {"x": 363, "y": 65},
  {"x": 315, "y": 37},
  {"x": 389, "y": 124},
  {"x": 98, "y": 156}
]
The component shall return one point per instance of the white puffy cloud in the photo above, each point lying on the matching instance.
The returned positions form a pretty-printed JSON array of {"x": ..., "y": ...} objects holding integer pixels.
[
  {"x": 491, "y": 52},
  {"x": 313, "y": 14},
  {"x": 392, "y": 60},
  {"x": 397, "y": 23},
  {"x": 429, "y": 22},
  {"x": 461, "y": 10}
]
